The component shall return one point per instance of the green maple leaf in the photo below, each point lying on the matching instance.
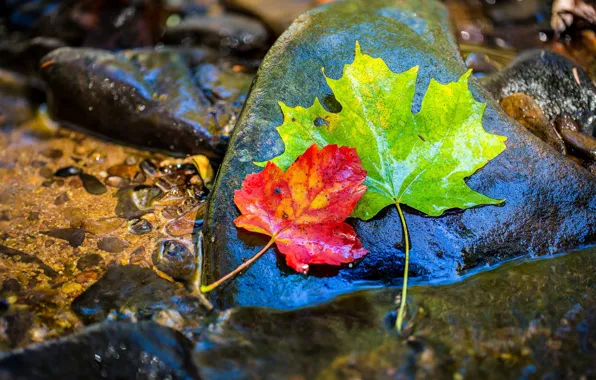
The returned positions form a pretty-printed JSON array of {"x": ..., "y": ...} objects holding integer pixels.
[{"x": 421, "y": 160}]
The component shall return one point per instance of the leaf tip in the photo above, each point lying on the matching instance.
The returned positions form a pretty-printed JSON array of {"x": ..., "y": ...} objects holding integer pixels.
[
  {"x": 465, "y": 76},
  {"x": 357, "y": 50}
]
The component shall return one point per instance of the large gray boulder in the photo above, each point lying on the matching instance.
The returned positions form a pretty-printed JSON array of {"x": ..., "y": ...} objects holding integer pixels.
[{"x": 551, "y": 201}]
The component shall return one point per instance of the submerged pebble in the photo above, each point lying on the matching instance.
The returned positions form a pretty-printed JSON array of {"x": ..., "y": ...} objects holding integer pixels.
[
  {"x": 139, "y": 226},
  {"x": 101, "y": 226},
  {"x": 74, "y": 236},
  {"x": 68, "y": 171},
  {"x": 112, "y": 244},
  {"x": 175, "y": 259},
  {"x": 92, "y": 184},
  {"x": 89, "y": 261}
]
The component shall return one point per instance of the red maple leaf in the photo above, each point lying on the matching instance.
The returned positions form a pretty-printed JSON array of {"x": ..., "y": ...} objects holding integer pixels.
[{"x": 303, "y": 209}]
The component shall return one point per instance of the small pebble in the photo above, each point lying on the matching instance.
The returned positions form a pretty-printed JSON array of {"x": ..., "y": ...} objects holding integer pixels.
[
  {"x": 89, "y": 261},
  {"x": 115, "y": 181},
  {"x": 92, "y": 184},
  {"x": 175, "y": 259},
  {"x": 101, "y": 226},
  {"x": 74, "y": 236},
  {"x": 148, "y": 167},
  {"x": 61, "y": 199},
  {"x": 71, "y": 287},
  {"x": 139, "y": 226},
  {"x": 52, "y": 153},
  {"x": 68, "y": 171},
  {"x": 112, "y": 244},
  {"x": 131, "y": 160},
  {"x": 46, "y": 172}
]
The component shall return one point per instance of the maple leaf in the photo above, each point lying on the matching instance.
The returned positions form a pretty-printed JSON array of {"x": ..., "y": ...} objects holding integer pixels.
[
  {"x": 303, "y": 209},
  {"x": 420, "y": 160}
]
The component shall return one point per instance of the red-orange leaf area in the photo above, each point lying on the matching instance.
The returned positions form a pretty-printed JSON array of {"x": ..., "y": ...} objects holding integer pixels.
[{"x": 304, "y": 209}]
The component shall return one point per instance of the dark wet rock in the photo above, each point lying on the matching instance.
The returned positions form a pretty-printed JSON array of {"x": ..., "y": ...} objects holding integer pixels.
[
  {"x": 224, "y": 83},
  {"x": 148, "y": 167},
  {"x": 524, "y": 109},
  {"x": 227, "y": 32},
  {"x": 175, "y": 259},
  {"x": 92, "y": 184},
  {"x": 112, "y": 244},
  {"x": 131, "y": 289},
  {"x": 144, "y": 97},
  {"x": 10, "y": 286},
  {"x": 89, "y": 261},
  {"x": 566, "y": 122},
  {"x": 74, "y": 236},
  {"x": 111, "y": 350},
  {"x": 558, "y": 86},
  {"x": 139, "y": 226},
  {"x": 68, "y": 171},
  {"x": 276, "y": 14},
  {"x": 136, "y": 201},
  {"x": 581, "y": 143},
  {"x": 550, "y": 201}
]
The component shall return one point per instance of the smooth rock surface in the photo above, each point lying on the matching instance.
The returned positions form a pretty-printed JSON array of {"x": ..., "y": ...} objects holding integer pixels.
[
  {"x": 107, "y": 351},
  {"x": 550, "y": 206},
  {"x": 140, "y": 97}
]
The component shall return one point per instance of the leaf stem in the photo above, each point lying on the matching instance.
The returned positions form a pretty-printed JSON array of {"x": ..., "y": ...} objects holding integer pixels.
[
  {"x": 404, "y": 289},
  {"x": 208, "y": 288}
]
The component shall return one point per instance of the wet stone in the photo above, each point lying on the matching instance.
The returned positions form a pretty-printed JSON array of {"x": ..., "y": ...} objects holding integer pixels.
[
  {"x": 148, "y": 167},
  {"x": 129, "y": 96},
  {"x": 131, "y": 288},
  {"x": 89, "y": 261},
  {"x": 112, "y": 244},
  {"x": 228, "y": 32},
  {"x": 134, "y": 202},
  {"x": 68, "y": 171},
  {"x": 557, "y": 84},
  {"x": 92, "y": 184},
  {"x": 74, "y": 236},
  {"x": 175, "y": 259},
  {"x": 112, "y": 351},
  {"x": 535, "y": 179},
  {"x": 584, "y": 145},
  {"x": 117, "y": 181},
  {"x": 61, "y": 199},
  {"x": 139, "y": 226},
  {"x": 524, "y": 109}
]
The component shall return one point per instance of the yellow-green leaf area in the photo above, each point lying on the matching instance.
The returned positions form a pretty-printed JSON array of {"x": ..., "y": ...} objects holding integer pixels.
[{"x": 422, "y": 159}]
